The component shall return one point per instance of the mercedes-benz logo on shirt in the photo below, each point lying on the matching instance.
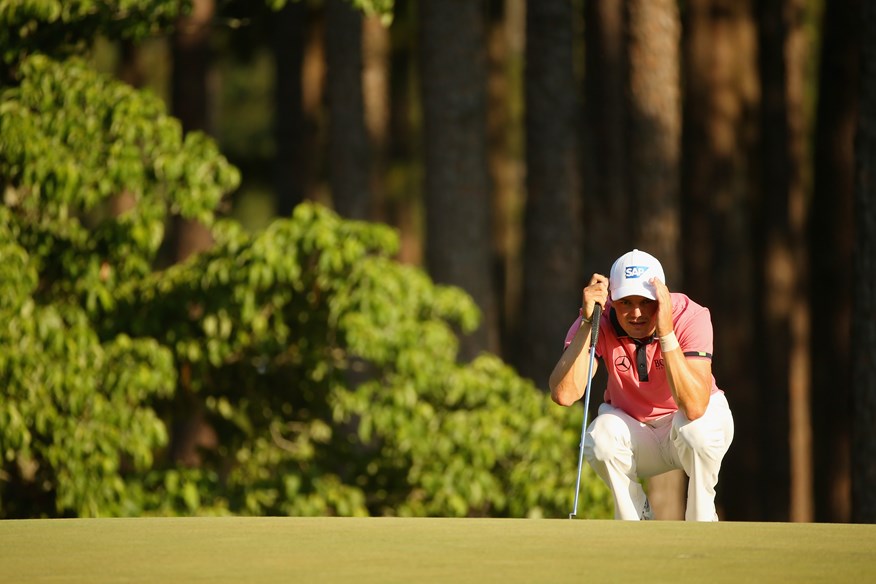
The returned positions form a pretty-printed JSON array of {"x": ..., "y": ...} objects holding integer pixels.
[{"x": 622, "y": 363}]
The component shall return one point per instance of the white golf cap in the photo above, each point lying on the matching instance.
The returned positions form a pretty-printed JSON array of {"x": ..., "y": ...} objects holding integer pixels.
[{"x": 631, "y": 275}]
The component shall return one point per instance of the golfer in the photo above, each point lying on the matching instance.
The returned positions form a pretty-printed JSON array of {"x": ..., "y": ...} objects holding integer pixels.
[{"x": 662, "y": 409}]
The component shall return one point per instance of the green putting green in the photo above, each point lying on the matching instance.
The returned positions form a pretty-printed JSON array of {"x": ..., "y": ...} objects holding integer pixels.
[{"x": 235, "y": 549}]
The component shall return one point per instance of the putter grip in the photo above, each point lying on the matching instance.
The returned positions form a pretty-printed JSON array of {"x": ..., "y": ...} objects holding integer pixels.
[{"x": 594, "y": 327}]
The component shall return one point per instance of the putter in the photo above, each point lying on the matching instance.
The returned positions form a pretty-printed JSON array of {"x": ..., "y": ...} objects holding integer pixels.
[{"x": 594, "y": 334}]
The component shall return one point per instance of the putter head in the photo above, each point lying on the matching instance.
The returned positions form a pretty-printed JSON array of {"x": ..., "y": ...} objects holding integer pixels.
[{"x": 571, "y": 515}]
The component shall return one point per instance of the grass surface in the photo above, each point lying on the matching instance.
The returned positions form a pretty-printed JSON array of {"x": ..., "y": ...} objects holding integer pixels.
[{"x": 431, "y": 550}]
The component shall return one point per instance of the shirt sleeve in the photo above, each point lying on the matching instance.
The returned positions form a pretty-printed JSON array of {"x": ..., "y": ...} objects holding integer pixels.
[
  {"x": 571, "y": 334},
  {"x": 695, "y": 335}
]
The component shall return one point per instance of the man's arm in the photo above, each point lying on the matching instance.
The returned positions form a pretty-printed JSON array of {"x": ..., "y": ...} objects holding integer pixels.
[
  {"x": 568, "y": 380},
  {"x": 690, "y": 380}
]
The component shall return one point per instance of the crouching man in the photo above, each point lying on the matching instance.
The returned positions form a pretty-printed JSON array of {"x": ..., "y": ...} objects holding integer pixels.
[{"x": 662, "y": 409}]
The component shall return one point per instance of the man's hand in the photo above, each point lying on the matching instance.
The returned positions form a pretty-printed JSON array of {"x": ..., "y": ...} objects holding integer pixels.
[
  {"x": 595, "y": 292},
  {"x": 664, "y": 310}
]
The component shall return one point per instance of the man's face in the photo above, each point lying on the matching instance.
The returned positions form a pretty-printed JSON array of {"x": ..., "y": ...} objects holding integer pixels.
[{"x": 637, "y": 315}]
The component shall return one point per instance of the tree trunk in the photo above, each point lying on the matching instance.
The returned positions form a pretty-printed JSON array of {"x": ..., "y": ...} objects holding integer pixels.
[
  {"x": 289, "y": 40},
  {"x": 831, "y": 246},
  {"x": 721, "y": 91},
  {"x": 402, "y": 192},
  {"x": 457, "y": 195},
  {"x": 191, "y": 65},
  {"x": 784, "y": 339},
  {"x": 606, "y": 196},
  {"x": 376, "y": 102},
  {"x": 654, "y": 131},
  {"x": 191, "y": 104},
  {"x": 552, "y": 271},
  {"x": 504, "y": 134},
  {"x": 349, "y": 163},
  {"x": 130, "y": 67},
  {"x": 864, "y": 323},
  {"x": 654, "y": 144}
]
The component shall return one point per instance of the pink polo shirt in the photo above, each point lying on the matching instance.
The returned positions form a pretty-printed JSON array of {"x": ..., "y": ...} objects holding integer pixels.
[{"x": 637, "y": 380}]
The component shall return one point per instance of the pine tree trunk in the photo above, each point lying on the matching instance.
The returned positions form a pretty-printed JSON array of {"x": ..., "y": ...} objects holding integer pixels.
[
  {"x": 457, "y": 195},
  {"x": 784, "y": 339},
  {"x": 864, "y": 322},
  {"x": 720, "y": 69},
  {"x": 654, "y": 145},
  {"x": 191, "y": 104},
  {"x": 288, "y": 42},
  {"x": 606, "y": 195},
  {"x": 503, "y": 132},
  {"x": 831, "y": 245},
  {"x": 403, "y": 189},
  {"x": 552, "y": 271},
  {"x": 130, "y": 66},
  {"x": 190, "y": 94},
  {"x": 376, "y": 102},
  {"x": 349, "y": 156}
]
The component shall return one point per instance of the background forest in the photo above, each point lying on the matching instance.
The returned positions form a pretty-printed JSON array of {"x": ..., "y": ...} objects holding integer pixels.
[{"x": 319, "y": 257}]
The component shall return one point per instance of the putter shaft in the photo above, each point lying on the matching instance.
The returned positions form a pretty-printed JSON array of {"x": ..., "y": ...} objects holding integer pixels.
[{"x": 594, "y": 335}]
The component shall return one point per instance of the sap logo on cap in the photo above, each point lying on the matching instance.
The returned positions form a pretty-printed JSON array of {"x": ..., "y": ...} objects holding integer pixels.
[{"x": 631, "y": 272}]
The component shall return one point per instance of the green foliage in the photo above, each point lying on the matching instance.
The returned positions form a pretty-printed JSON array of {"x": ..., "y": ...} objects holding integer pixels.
[
  {"x": 329, "y": 372},
  {"x": 76, "y": 413},
  {"x": 322, "y": 374},
  {"x": 62, "y": 27},
  {"x": 383, "y": 8},
  {"x": 72, "y": 145},
  {"x": 73, "y": 410}
]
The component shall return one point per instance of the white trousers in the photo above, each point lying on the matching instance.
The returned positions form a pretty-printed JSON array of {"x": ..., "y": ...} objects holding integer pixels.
[{"x": 623, "y": 450}]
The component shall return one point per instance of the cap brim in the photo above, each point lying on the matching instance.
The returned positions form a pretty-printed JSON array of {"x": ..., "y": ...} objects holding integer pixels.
[{"x": 640, "y": 289}]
